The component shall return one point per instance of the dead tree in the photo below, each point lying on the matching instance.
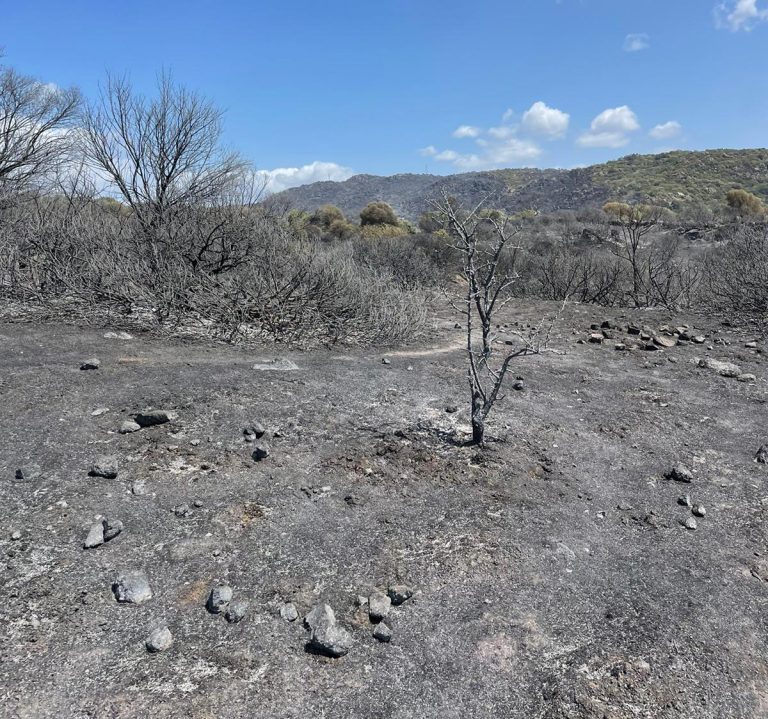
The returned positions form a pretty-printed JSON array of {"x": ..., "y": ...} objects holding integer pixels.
[
  {"x": 34, "y": 120},
  {"x": 161, "y": 155},
  {"x": 485, "y": 241}
]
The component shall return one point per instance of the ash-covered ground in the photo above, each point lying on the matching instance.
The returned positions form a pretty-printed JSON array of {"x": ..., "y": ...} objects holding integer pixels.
[{"x": 552, "y": 574}]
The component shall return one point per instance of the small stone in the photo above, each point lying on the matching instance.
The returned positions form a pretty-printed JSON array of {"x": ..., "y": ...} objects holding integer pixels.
[
  {"x": 289, "y": 612},
  {"x": 219, "y": 598},
  {"x": 260, "y": 452},
  {"x": 15, "y": 535},
  {"x": 194, "y": 442},
  {"x": 236, "y": 611},
  {"x": 684, "y": 500},
  {"x": 621, "y": 347},
  {"x": 724, "y": 369},
  {"x": 596, "y": 338},
  {"x": 182, "y": 510},
  {"x": 666, "y": 342},
  {"x": 112, "y": 527},
  {"x": 750, "y": 345},
  {"x": 150, "y": 418},
  {"x": 160, "y": 640},
  {"x": 699, "y": 510},
  {"x": 256, "y": 429},
  {"x": 451, "y": 409},
  {"x": 326, "y": 636},
  {"x": 92, "y": 363},
  {"x": 249, "y": 437},
  {"x": 132, "y": 588},
  {"x": 19, "y": 474},
  {"x": 518, "y": 385},
  {"x": 379, "y": 605},
  {"x": 680, "y": 473},
  {"x": 690, "y": 523},
  {"x": 99, "y": 411},
  {"x": 385, "y": 360},
  {"x": 95, "y": 536},
  {"x": 139, "y": 487},
  {"x": 104, "y": 467},
  {"x": 746, "y": 377},
  {"x": 399, "y": 593},
  {"x": 761, "y": 456},
  {"x": 382, "y": 632},
  {"x": 699, "y": 339},
  {"x": 129, "y": 426},
  {"x": 198, "y": 503}
]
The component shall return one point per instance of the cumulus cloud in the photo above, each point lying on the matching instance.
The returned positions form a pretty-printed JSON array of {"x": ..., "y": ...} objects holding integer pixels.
[
  {"x": 666, "y": 131},
  {"x": 611, "y": 128},
  {"x": 282, "y": 178},
  {"x": 738, "y": 15},
  {"x": 634, "y": 42},
  {"x": 547, "y": 121},
  {"x": 466, "y": 131}
]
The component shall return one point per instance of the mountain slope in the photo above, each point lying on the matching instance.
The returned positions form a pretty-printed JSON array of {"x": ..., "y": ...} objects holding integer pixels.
[{"x": 671, "y": 179}]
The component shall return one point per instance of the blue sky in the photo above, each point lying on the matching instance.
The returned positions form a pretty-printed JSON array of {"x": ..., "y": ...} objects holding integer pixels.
[{"x": 327, "y": 88}]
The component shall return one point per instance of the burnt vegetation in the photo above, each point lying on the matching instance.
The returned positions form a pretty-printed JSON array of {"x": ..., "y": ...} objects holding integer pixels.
[{"x": 130, "y": 209}]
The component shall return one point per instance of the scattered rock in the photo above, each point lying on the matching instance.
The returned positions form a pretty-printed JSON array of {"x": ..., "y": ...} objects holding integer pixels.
[
  {"x": 684, "y": 500},
  {"x": 289, "y": 612},
  {"x": 112, "y": 528},
  {"x": 690, "y": 523},
  {"x": 518, "y": 385},
  {"x": 260, "y": 452},
  {"x": 680, "y": 473},
  {"x": 633, "y": 330},
  {"x": 95, "y": 536},
  {"x": 236, "y": 611},
  {"x": 129, "y": 426},
  {"x": 19, "y": 475},
  {"x": 105, "y": 467},
  {"x": 150, "y": 418},
  {"x": 15, "y": 535},
  {"x": 382, "y": 632},
  {"x": 596, "y": 338},
  {"x": 182, "y": 510},
  {"x": 699, "y": 510},
  {"x": 139, "y": 487},
  {"x": 256, "y": 429},
  {"x": 132, "y": 588},
  {"x": 699, "y": 339},
  {"x": 724, "y": 369},
  {"x": 746, "y": 377},
  {"x": 219, "y": 598},
  {"x": 379, "y": 605},
  {"x": 750, "y": 345},
  {"x": 99, "y": 411},
  {"x": 92, "y": 363},
  {"x": 326, "y": 636},
  {"x": 386, "y": 360},
  {"x": 451, "y": 409},
  {"x": 666, "y": 342},
  {"x": 399, "y": 593},
  {"x": 761, "y": 456},
  {"x": 160, "y": 640}
]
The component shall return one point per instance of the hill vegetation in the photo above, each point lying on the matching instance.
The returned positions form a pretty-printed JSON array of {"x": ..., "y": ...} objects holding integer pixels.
[{"x": 676, "y": 180}]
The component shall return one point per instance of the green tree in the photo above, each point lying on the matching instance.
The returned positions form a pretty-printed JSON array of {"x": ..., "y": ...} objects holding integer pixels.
[{"x": 378, "y": 213}]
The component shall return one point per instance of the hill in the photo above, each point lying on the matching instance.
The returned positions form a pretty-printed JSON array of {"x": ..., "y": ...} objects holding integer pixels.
[{"x": 673, "y": 179}]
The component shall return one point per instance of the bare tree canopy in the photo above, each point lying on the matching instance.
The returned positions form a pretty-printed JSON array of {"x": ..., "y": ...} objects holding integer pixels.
[
  {"x": 161, "y": 154},
  {"x": 34, "y": 118}
]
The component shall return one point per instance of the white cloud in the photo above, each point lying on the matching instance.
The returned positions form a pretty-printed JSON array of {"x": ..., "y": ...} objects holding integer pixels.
[
  {"x": 511, "y": 151},
  {"x": 466, "y": 131},
  {"x": 611, "y": 128},
  {"x": 634, "y": 42},
  {"x": 666, "y": 131},
  {"x": 541, "y": 119},
  {"x": 509, "y": 113},
  {"x": 429, "y": 151},
  {"x": 738, "y": 15},
  {"x": 282, "y": 178}
]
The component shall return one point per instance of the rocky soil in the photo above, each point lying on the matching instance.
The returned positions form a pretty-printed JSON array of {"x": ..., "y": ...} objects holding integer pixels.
[{"x": 191, "y": 530}]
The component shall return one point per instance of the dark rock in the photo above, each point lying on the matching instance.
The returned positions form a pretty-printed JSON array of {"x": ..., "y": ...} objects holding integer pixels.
[
  {"x": 382, "y": 632},
  {"x": 105, "y": 467},
  {"x": 236, "y": 611},
  {"x": 150, "y": 418},
  {"x": 399, "y": 593},
  {"x": 90, "y": 364},
  {"x": 761, "y": 456},
  {"x": 261, "y": 452},
  {"x": 112, "y": 527},
  {"x": 680, "y": 473}
]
